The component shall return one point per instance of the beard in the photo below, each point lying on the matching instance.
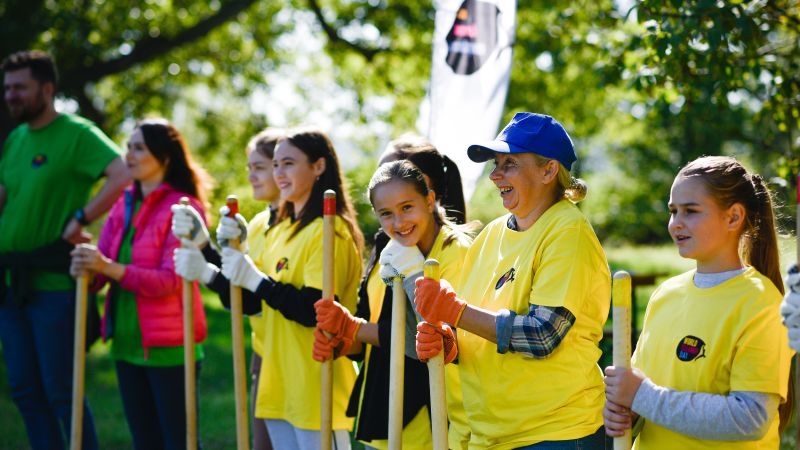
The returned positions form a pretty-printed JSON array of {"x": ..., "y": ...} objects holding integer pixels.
[{"x": 28, "y": 112}]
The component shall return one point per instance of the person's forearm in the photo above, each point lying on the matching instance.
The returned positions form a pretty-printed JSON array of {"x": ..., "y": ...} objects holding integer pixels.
[
  {"x": 293, "y": 303},
  {"x": 117, "y": 178},
  {"x": 736, "y": 416},
  {"x": 251, "y": 303},
  {"x": 537, "y": 334},
  {"x": 368, "y": 334},
  {"x": 211, "y": 254},
  {"x": 355, "y": 349},
  {"x": 113, "y": 270},
  {"x": 479, "y": 321}
]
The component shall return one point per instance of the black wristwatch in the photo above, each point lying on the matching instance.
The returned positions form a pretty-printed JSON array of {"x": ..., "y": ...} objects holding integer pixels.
[{"x": 80, "y": 216}]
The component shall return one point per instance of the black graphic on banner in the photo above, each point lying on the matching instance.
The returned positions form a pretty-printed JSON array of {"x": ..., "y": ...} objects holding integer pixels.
[{"x": 473, "y": 36}]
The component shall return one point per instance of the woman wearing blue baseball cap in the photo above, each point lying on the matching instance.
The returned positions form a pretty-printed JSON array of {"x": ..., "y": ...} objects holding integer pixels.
[{"x": 531, "y": 303}]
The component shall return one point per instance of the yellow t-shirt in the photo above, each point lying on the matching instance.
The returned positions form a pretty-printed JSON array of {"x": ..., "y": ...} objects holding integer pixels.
[
  {"x": 289, "y": 383},
  {"x": 512, "y": 400},
  {"x": 417, "y": 434},
  {"x": 716, "y": 340},
  {"x": 256, "y": 243}
]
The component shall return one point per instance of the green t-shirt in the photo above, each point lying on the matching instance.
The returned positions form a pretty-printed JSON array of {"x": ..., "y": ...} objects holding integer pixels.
[
  {"x": 126, "y": 344},
  {"x": 48, "y": 174}
]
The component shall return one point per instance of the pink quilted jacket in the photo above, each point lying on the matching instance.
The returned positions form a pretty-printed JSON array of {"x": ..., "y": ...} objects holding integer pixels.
[{"x": 151, "y": 273}]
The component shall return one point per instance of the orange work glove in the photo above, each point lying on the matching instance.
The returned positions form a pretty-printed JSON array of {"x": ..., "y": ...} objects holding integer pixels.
[
  {"x": 323, "y": 347},
  {"x": 436, "y": 301},
  {"x": 336, "y": 319},
  {"x": 429, "y": 342}
]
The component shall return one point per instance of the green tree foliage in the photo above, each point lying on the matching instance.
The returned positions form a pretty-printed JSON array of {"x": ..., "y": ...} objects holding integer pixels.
[
  {"x": 709, "y": 77},
  {"x": 642, "y": 91}
]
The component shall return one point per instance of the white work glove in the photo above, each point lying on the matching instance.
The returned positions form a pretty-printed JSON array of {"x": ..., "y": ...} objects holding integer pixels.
[
  {"x": 400, "y": 261},
  {"x": 187, "y": 223},
  {"x": 790, "y": 307},
  {"x": 191, "y": 265},
  {"x": 231, "y": 228},
  {"x": 240, "y": 269}
]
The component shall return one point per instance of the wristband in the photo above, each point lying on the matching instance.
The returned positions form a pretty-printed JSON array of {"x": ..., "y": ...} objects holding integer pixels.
[{"x": 80, "y": 216}]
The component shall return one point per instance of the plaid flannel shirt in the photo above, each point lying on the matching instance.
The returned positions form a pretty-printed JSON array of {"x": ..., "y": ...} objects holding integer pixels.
[{"x": 536, "y": 334}]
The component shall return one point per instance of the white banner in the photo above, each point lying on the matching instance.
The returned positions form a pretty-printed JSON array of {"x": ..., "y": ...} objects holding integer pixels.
[{"x": 469, "y": 78}]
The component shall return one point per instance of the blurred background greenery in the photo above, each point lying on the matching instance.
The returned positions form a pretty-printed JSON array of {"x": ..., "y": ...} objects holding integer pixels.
[{"x": 642, "y": 86}]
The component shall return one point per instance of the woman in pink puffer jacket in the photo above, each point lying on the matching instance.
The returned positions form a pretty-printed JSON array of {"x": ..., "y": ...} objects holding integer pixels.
[{"x": 143, "y": 308}]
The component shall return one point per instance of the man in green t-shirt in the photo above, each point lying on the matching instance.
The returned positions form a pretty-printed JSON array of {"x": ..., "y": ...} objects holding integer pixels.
[{"x": 48, "y": 167}]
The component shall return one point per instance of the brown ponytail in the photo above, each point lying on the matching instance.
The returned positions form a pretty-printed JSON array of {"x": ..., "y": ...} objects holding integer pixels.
[{"x": 761, "y": 234}]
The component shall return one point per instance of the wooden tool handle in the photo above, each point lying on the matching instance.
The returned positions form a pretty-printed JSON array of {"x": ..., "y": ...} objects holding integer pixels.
[
  {"x": 621, "y": 340},
  {"x": 232, "y": 202},
  {"x": 397, "y": 361},
  {"x": 328, "y": 291},
  {"x": 237, "y": 346},
  {"x": 436, "y": 377},
  {"x": 190, "y": 377},
  {"x": 79, "y": 361}
]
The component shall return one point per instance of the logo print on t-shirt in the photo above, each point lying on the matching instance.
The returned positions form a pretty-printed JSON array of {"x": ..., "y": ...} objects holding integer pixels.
[
  {"x": 283, "y": 263},
  {"x": 38, "y": 160},
  {"x": 508, "y": 276},
  {"x": 691, "y": 348}
]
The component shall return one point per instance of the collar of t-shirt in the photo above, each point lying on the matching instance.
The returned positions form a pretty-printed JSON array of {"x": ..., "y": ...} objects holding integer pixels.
[{"x": 709, "y": 280}]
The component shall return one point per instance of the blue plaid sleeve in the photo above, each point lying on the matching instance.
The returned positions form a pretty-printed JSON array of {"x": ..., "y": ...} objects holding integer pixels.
[{"x": 536, "y": 334}]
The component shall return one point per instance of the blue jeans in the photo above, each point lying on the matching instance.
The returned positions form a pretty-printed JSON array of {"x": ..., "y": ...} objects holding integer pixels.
[
  {"x": 37, "y": 343},
  {"x": 153, "y": 399},
  {"x": 596, "y": 441}
]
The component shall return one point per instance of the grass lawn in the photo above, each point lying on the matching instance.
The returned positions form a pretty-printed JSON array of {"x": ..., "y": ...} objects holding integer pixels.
[{"x": 217, "y": 418}]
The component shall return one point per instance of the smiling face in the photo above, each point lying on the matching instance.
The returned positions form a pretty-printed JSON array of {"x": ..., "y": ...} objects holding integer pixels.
[
  {"x": 405, "y": 214},
  {"x": 526, "y": 188},
  {"x": 294, "y": 174},
  {"x": 703, "y": 230},
  {"x": 259, "y": 174},
  {"x": 143, "y": 166},
  {"x": 26, "y": 98}
]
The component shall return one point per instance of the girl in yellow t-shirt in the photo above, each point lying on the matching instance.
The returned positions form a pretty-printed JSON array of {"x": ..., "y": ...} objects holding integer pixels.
[
  {"x": 535, "y": 286},
  {"x": 410, "y": 215},
  {"x": 712, "y": 363},
  {"x": 191, "y": 261},
  {"x": 305, "y": 165}
]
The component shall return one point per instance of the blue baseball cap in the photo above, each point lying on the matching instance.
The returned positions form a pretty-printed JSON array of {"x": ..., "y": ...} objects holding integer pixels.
[{"x": 529, "y": 133}]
